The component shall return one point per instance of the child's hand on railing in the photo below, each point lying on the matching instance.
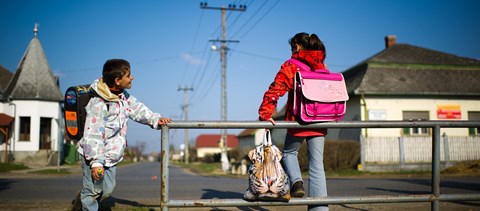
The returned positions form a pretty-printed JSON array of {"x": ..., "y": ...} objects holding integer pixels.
[{"x": 164, "y": 121}]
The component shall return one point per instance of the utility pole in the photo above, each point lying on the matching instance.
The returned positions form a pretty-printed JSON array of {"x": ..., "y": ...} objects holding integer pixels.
[
  {"x": 185, "y": 111},
  {"x": 223, "y": 61}
]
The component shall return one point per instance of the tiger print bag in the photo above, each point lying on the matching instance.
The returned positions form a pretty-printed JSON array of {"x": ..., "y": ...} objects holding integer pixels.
[{"x": 267, "y": 180}]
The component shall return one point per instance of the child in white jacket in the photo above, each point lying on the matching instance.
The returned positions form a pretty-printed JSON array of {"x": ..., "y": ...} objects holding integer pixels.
[{"x": 104, "y": 138}]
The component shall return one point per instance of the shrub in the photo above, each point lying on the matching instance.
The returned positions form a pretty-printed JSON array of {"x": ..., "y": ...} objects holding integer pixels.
[{"x": 341, "y": 154}]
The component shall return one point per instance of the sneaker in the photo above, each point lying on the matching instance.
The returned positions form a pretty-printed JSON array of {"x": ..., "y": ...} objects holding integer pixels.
[
  {"x": 297, "y": 189},
  {"x": 77, "y": 203}
]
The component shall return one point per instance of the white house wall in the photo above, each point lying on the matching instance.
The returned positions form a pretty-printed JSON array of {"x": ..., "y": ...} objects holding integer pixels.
[
  {"x": 35, "y": 110},
  {"x": 394, "y": 108},
  {"x": 204, "y": 151}
]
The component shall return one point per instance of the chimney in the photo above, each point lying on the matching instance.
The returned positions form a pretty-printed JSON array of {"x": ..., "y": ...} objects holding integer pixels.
[{"x": 390, "y": 40}]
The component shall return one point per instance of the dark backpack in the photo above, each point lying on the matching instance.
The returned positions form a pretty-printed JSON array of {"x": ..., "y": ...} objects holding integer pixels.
[{"x": 76, "y": 98}]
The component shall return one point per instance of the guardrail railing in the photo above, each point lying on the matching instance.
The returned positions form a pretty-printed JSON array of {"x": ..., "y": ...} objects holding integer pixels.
[{"x": 434, "y": 197}]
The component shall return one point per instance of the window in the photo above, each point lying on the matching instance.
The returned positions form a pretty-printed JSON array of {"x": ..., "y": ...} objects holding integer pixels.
[
  {"x": 45, "y": 133},
  {"x": 415, "y": 116},
  {"x": 25, "y": 128},
  {"x": 474, "y": 115}
]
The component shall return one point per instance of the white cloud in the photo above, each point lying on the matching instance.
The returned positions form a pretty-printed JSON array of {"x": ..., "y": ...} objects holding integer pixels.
[{"x": 192, "y": 60}]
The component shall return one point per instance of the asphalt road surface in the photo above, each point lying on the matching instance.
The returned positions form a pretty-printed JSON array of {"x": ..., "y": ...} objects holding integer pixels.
[{"x": 138, "y": 187}]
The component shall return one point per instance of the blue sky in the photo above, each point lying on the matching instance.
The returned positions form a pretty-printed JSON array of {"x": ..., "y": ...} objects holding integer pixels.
[{"x": 167, "y": 43}]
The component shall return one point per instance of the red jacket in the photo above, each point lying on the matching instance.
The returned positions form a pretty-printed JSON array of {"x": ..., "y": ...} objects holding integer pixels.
[{"x": 283, "y": 83}]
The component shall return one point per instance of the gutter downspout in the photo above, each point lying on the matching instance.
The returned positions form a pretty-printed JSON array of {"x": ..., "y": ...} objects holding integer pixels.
[{"x": 365, "y": 112}]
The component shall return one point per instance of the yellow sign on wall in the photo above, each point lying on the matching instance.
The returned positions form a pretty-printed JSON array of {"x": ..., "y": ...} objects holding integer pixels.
[{"x": 449, "y": 112}]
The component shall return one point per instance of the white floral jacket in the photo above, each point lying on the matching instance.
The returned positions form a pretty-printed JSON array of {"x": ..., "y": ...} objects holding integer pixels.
[{"x": 104, "y": 138}]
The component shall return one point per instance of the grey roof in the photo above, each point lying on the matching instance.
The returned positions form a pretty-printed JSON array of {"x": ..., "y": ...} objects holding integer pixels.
[
  {"x": 33, "y": 79},
  {"x": 404, "y": 69},
  {"x": 5, "y": 77}
]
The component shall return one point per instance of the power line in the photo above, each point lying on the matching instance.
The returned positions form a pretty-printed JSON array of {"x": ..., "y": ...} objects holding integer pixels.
[
  {"x": 261, "y": 18},
  {"x": 195, "y": 82},
  {"x": 194, "y": 42},
  {"x": 210, "y": 83},
  {"x": 258, "y": 55},
  {"x": 251, "y": 17}
]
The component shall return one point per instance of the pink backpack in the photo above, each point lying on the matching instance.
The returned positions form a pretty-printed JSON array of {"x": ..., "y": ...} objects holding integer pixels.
[{"x": 319, "y": 95}]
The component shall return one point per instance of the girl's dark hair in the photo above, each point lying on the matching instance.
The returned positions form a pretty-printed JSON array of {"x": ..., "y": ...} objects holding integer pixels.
[
  {"x": 114, "y": 68},
  {"x": 308, "y": 42}
]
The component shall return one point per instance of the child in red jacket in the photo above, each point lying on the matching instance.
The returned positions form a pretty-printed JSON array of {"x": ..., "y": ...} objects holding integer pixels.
[{"x": 309, "y": 49}]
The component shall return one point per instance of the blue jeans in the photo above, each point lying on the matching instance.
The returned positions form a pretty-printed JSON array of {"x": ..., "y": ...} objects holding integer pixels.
[
  {"x": 317, "y": 185},
  {"x": 95, "y": 191}
]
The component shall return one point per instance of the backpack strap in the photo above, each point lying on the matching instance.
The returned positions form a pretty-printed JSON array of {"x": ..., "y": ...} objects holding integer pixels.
[{"x": 305, "y": 67}]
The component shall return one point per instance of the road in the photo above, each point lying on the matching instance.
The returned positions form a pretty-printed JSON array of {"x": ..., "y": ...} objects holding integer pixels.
[{"x": 138, "y": 185}]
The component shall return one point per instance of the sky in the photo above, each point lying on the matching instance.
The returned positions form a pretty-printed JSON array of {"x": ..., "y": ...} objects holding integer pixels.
[{"x": 169, "y": 45}]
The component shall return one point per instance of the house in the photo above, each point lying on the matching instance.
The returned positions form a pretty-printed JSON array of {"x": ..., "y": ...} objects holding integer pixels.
[
  {"x": 249, "y": 138},
  {"x": 209, "y": 144},
  {"x": 406, "y": 82},
  {"x": 33, "y": 98}
]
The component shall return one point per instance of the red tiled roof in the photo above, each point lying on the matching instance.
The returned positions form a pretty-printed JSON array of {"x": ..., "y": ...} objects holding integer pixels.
[{"x": 212, "y": 140}]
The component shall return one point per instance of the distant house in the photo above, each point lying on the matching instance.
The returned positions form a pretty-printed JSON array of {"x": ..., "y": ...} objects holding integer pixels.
[
  {"x": 33, "y": 98},
  {"x": 249, "y": 138},
  {"x": 209, "y": 144}
]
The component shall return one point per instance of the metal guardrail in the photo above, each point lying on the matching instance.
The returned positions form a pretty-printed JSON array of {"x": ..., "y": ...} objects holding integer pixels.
[{"x": 434, "y": 197}]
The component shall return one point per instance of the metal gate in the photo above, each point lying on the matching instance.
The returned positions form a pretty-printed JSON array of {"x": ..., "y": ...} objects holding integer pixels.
[{"x": 434, "y": 197}]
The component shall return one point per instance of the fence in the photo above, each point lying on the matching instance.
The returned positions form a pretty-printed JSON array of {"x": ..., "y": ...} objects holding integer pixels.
[
  {"x": 434, "y": 197},
  {"x": 417, "y": 150}
]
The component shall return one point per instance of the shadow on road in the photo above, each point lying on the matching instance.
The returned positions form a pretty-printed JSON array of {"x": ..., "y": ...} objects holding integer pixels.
[
  {"x": 216, "y": 194},
  {"x": 467, "y": 186},
  {"x": 399, "y": 191},
  {"x": 5, "y": 184},
  {"x": 110, "y": 203}
]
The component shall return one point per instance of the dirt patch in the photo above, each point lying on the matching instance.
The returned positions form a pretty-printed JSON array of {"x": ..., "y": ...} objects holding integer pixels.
[{"x": 467, "y": 168}]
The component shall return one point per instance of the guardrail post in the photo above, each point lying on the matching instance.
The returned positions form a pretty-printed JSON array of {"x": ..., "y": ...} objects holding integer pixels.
[
  {"x": 435, "y": 205},
  {"x": 164, "y": 168}
]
